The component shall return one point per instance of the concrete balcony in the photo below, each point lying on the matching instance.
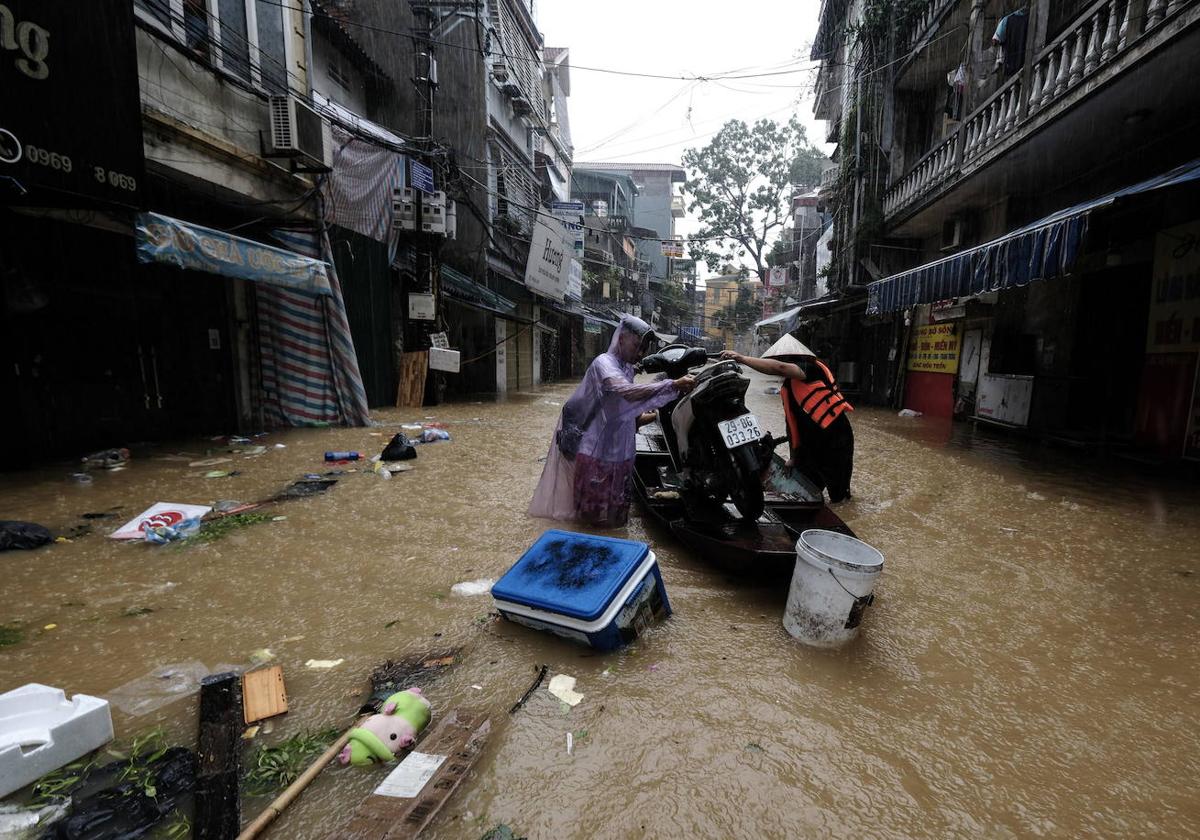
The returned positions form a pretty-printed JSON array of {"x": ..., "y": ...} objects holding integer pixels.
[
  {"x": 677, "y": 208},
  {"x": 1121, "y": 77}
]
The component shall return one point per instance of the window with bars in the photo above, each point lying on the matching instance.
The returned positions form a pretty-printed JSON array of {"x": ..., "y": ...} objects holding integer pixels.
[
  {"x": 245, "y": 38},
  {"x": 524, "y": 65}
]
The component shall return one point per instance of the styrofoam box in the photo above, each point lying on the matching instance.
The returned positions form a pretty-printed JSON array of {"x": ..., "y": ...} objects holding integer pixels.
[
  {"x": 446, "y": 360},
  {"x": 41, "y": 730}
]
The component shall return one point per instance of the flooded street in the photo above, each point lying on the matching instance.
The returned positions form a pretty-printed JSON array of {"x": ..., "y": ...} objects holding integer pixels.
[{"x": 1029, "y": 668}]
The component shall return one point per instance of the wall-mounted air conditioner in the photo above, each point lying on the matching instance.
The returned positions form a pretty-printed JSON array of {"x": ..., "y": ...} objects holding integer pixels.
[
  {"x": 500, "y": 71},
  {"x": 955, "y": 232},
  {"x": 297, "y": 131}
]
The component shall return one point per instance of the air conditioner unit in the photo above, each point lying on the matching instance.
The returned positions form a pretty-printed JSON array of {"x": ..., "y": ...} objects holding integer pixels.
[
  {"x": 297, "y": 131},
  {"x": 500, "y": 71},
  {"x": 955, "y": 231},
  {"x": 451, "y": 220}
]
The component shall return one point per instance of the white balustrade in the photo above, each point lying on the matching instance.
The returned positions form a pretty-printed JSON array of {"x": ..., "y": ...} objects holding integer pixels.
[{"x": 928, "y": 172}]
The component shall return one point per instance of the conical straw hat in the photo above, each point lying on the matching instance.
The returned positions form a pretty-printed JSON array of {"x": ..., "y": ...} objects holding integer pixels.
[{"x": 788, "y": 345}]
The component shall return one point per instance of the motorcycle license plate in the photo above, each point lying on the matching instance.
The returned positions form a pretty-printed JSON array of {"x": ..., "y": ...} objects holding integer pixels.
[{"x": 739, "y": 430}]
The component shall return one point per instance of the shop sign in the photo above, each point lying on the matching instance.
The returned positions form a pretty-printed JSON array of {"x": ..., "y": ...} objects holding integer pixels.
[
  {"x": 934, "y": 349},
  {"x": 777, "y": 276},
  {"x": 1191, "y": 443},
  {"x": 184, "y": 245},
  {"x": 420, "y": 176},
  {"x": 671, "y": 249},
  {"x": 948, "y": 310},
  {"x": 71, "y": 124},
  {"x": 421, "y": 307},
  {"x": 575, "y": 281},
  {"x": 591, "y": 326},
  {"x": 548, "y": 268},
  {"x": 1175, "y": 291},
  {"x": 570, "y": 213}
]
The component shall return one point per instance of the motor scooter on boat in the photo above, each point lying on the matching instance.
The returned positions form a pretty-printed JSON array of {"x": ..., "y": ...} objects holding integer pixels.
[{"x": 717, "y": 446}]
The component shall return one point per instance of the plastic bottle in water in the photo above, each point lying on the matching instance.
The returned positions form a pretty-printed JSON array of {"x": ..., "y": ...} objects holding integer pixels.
[{"x": 342, "y": 456}]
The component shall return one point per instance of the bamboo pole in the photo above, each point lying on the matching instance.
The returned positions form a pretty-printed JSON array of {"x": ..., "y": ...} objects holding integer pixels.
[{"x": 281, "y": 802}]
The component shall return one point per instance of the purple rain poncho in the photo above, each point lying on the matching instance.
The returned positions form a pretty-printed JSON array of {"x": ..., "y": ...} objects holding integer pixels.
[{"x": 594, "y": 487}]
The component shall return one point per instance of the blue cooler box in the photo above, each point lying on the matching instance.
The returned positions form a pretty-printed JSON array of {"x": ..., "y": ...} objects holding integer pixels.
[{"x": 601, "y": 591}]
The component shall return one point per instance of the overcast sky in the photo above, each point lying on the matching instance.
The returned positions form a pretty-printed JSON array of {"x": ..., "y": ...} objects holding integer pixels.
[{"x": 627, "y": 118}]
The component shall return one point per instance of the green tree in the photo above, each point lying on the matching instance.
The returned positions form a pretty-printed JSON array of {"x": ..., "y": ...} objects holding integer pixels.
[
  {"x": 673, "y": 302},
  {"x": 742, "y": 187},
  {"x": 781, "y": 251},
  {"x": 595, "y": 278}
]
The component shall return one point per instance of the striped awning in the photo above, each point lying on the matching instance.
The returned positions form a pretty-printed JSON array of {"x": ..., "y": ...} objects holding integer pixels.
[{"x": 1044, "y": 250}]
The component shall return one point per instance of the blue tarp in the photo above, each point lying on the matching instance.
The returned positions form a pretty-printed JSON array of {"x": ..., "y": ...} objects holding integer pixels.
[
  {"x": 184, "y": 245},
  {"x": 1043, "y": 250}
]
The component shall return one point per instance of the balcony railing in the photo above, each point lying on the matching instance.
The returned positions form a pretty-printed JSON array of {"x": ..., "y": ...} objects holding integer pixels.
[
  {"x": 925, "y": 21},
  {"x": 930, "y": 171},
  {"x": 677, "y": 208},
  {"x": 992, "y": 120},
  {"x": 1099, "y": 36}
]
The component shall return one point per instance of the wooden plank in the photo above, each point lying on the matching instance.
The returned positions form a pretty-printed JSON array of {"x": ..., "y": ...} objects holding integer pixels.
[
  {"x": 459, "y": 736},
  {"x": 218, "y": 808},
  {"x": 263, "y": 694},
  {"x": 414, "y": 367}
]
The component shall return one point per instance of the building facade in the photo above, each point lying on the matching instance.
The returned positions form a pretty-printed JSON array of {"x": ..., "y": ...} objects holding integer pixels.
[{"x": 1003, "y": 206}]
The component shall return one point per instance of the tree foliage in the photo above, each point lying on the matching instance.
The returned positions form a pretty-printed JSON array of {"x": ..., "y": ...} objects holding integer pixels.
[
  {"x": 673, "y": 301},
  {"x": 742, "y": 184}
]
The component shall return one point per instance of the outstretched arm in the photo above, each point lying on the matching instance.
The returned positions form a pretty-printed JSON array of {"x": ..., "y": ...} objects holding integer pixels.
[{"x": 771, "y": 367}]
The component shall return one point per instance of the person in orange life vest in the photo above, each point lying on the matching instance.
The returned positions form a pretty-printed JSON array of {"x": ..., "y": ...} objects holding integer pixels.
[{"x": 819, "y": 433}]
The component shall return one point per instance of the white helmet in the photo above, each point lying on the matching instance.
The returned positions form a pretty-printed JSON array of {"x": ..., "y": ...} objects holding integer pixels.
[{"x": 788, "y": 345}]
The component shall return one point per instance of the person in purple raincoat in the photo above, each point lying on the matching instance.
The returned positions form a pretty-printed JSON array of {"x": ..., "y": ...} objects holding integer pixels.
[{"x": 588, "y": 468}]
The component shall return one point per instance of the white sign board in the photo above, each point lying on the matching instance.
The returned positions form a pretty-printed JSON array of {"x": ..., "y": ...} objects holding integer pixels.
[
  {"x": 674, "y": 250},
  {"x": 777, "y": 276},
  {"x": 571, "y": 215},
  {"x": 575, "y": 280},
  {"x": 411, "y": 775},
  {"x": 549, "y": 264},
  {"x": 421, "y": 308},
  {"x": 158, "y": 515},
  {"x": 501, "y": 356},
  {"x": 444, "y": 360}
]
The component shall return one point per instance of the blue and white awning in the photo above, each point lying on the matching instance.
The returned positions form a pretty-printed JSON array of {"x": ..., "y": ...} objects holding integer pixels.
[
  {"x": 185, "y": 245},
  {"x": 1043, "y": 250}
]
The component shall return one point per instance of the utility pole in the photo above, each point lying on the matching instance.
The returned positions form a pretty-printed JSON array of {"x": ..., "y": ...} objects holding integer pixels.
[{"x": 428, "y": 248}]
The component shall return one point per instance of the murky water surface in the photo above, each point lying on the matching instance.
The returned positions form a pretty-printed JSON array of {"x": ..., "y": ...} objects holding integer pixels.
[{"x": 1030, "y": 667}]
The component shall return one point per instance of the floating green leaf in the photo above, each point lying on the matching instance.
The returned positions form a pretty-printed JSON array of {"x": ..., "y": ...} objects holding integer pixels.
[
  {"x": 274, "y": 768},
  {"x": 10, "y": 635},
  {"x": 215, "y": 529}
]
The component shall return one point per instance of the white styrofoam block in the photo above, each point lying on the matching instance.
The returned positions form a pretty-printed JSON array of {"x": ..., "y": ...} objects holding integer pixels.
[{"x": 41, "y": 730}]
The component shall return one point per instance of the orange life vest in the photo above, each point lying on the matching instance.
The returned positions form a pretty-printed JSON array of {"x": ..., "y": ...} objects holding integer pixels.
[{"x": 821, "y": 400}]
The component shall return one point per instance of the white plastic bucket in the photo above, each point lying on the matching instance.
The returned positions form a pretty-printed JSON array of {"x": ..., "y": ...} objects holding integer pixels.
[{"x": 832, "y": 585}]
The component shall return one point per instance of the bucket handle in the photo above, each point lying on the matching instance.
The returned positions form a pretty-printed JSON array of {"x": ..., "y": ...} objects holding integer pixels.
[{"x": 859, "y": 600}]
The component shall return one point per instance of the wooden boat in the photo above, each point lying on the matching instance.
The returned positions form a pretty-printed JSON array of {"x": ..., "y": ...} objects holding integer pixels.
[{"x": 765, "y": 548}]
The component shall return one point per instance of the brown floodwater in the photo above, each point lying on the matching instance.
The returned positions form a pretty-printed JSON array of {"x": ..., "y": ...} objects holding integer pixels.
[{"x": 1030, "y": 666}]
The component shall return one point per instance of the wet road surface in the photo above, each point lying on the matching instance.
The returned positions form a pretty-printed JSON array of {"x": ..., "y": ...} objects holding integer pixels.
[{"x": 1029, "y": 668}]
